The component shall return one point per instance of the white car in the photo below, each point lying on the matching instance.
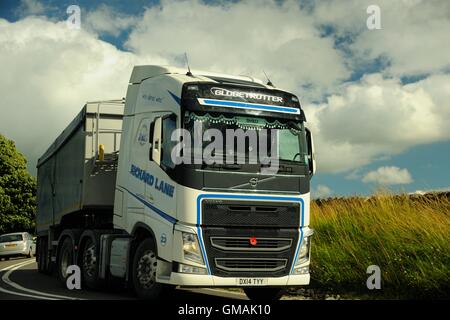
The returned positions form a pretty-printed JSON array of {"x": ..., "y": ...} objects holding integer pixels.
[{"x": 17, "y": 244}]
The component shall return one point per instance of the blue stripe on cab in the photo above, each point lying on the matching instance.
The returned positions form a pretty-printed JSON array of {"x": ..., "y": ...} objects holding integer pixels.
[
  {"x": 175, "y": 97},
  {"x": 245, "y": 197},
  {"x": 153, "y": 208},
  {"x": 225, "y": 103}
]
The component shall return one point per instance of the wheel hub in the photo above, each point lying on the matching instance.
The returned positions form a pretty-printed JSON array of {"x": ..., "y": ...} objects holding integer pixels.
[
  {"x": 89, "y": 260},
  {"x": 146, "y": 270}
]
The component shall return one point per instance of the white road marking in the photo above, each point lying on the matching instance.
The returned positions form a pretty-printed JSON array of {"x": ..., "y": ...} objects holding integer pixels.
[
  {"x": 48, "y": 296},
  {"x": 33, "y": 293},
  {"x": 18, "y": 293}
]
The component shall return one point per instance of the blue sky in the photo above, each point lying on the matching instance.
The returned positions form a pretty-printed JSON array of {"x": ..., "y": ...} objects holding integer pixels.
[
  {"x": 428, "y": 165},
  {"x": 322, "y": 51}
]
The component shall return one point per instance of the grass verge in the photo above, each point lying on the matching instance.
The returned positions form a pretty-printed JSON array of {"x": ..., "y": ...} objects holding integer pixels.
[{"x": 407, "y": 237}]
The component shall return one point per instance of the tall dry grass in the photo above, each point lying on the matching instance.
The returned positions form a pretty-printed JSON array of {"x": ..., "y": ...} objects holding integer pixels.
[{"x": 407, "y": 237}]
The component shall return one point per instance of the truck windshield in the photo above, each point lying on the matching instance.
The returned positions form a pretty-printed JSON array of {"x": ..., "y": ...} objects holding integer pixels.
[{"x": 287, "y": 136}]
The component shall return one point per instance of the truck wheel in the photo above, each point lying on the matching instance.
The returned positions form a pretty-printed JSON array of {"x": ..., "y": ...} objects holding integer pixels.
[
  {"x": 144, "y": 271},
  {"x": 261, "y": 294},
  {"x": 29, "y": 255},
  {"x": 65, "y": 259},
  {"x": 89, "y": 264}
]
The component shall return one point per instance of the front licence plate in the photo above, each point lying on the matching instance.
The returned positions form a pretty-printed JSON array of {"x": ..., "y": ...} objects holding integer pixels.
[
  {"x": 251, "y": 281},
  {"x": 10, "y": 245}
]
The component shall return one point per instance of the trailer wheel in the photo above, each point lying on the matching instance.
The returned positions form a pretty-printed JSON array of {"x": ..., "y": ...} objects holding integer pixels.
[
  {"x": 65, "y": 259},
  {"x": 89, "y": 264},
  {"x": 144, "y": 271},
  {"x": 264, "y": 294}
]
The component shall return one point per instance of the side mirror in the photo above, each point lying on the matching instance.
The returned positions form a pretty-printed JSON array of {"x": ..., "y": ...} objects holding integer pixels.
[
  {"x": 156, "y": 143},
  {"x": 311, "y": 152}
]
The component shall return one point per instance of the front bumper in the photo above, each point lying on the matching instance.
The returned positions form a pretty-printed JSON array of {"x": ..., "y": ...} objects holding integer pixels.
[{"x": 194, "y": 280}]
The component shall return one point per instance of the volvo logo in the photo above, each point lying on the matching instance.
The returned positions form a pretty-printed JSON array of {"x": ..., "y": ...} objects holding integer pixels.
[{"x": 253, "y": 182}]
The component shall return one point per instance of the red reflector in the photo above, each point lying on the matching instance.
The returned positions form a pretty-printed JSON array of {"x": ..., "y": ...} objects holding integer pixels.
[{"x": 253, "y": 241}]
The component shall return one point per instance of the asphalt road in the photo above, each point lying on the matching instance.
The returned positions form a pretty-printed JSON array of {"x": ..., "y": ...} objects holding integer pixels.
[{"x": 19, "y": 279}]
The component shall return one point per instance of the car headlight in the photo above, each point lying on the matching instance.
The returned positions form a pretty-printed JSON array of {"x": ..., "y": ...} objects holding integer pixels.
[{"x": 191, "y": 248}]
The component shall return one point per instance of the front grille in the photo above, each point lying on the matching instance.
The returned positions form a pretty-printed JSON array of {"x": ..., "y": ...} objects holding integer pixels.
[
  {"x": 223, "y": 213},
  {"x": 229, "y": 254},
  {"x": 251, "y": 264},
  {"x": 243, "y": 244}
]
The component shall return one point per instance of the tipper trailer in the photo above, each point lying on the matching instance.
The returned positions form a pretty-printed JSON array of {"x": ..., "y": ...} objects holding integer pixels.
[{"x": 113, "y": 199}]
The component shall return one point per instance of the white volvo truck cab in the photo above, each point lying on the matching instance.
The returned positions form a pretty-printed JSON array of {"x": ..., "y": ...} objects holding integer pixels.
[{"x": 214, "y": 225}]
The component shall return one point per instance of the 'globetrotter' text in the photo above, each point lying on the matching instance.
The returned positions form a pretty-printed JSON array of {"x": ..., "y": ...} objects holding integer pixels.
[{"x": 245, "y": 95}]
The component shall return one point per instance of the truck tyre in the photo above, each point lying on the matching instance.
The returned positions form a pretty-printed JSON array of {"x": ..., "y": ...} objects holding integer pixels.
[
  {"x": 144, "y": 271},
  {"x": 264, "y": 294},
  {"x": 43, "y": 260},
  {"x": 65, "y": 259},
  {"x": 40, "y": 256},
  {"x": 89, "y": 264},
  {"x": 43, "y": 256},
  {"x": 29, "y": 255}
]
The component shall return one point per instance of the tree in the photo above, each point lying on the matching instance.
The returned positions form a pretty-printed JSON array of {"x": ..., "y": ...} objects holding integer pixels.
[{"x": 17, "y": 190}]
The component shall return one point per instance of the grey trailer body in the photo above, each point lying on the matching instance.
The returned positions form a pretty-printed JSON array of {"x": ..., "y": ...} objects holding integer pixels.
[{"x": 70, "y": 177}]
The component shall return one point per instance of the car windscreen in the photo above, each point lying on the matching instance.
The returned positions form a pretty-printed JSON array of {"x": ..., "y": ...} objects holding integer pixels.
[{"x": 11, "y": 238}]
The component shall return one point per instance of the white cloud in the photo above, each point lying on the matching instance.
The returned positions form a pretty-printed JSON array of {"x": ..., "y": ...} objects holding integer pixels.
[
  {"x": 379, "y": 117},
  {"x": 388, "y": 176},
  {"x": 413, "y": 38},
  {"x": 105, "y": 20},
  {"x": 322, "y": 191},
  {"x": 246, "y": 37},
  {"x": 31, "y": 7},
  {"x": 48, "y": 73},
  {"x": 436, "y": 190}
]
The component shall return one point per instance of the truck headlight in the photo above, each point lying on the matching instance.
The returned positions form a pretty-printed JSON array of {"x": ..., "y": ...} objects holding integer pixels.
[
  {"x": 191, "y": 248},
  {"x": 304, "y": 249},
  {"x": 303, "y": 252}
]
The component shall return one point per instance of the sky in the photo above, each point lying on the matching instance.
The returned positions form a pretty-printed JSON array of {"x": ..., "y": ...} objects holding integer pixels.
[{"x": 376, "y": 99}]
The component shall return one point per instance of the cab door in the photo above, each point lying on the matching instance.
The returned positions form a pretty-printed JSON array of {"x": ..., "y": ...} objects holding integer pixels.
[{"x": 138, "y": 178}]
